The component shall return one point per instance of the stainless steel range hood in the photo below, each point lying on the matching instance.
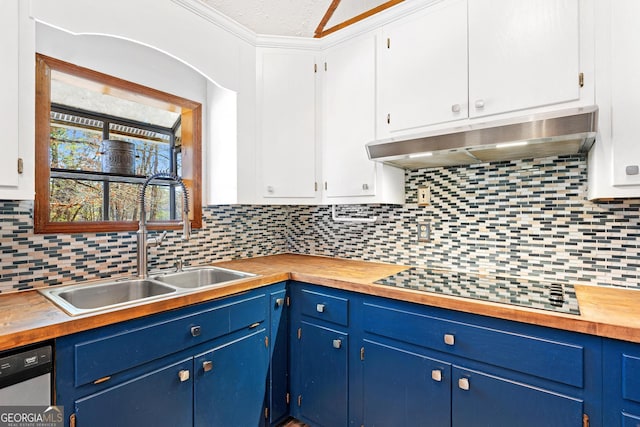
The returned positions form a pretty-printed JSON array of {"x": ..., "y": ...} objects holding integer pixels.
[{"x": 549, "y": 134}]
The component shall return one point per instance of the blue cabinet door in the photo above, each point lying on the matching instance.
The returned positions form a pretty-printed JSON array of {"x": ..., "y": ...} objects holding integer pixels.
[
  {"x": 322, "y": 369},
  {"x": 230, "y": 383},
  {"x": 279, "y": 358},
  {"x": 621, "y": 384},
  {"x": 481, "y": 399},
  {"x": 161, "y": 398},
  {"x": 402, "y": 388}
]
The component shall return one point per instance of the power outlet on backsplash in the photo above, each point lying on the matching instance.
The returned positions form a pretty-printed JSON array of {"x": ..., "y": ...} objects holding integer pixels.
[{"x": 424, "y": 232}]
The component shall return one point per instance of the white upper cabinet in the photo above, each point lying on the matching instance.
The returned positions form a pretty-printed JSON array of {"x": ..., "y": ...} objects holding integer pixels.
[
  {"x": 16, "y": 106},
  {"x": 459, "y": 59},
  {"x": 614, "y": 160},
  {"x": 287, "y": 120},
  {"x": 423, "y": 69},
  {"x": 349, "y": 123},
  {"x": 522, "y": 54},
  {"x": 625, "y": 93}
]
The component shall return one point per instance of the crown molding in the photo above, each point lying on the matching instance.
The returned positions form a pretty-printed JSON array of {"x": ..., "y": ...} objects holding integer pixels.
[
  {"x": 218, "y": 19},
  {"x": 371, "y": 23}
]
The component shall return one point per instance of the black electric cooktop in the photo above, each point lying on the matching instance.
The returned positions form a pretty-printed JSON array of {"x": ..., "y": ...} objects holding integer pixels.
[{"x": 559, "y": 297}]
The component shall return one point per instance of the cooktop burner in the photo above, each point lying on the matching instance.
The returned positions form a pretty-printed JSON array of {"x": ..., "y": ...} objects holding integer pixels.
[{"x": 559, "y": 297}]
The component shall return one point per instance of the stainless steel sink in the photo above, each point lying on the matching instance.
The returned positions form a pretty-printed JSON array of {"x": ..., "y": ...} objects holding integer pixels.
[
  {"x": 202, "y": 277},
  {"x": 85, "y": 298},
  {"x": 109, "y": 295}
]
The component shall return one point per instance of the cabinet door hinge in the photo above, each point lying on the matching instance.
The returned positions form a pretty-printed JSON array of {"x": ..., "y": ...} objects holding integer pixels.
[
  {"x": 315, "y": 68},
  {"x": 581, "y": 79},
  {"x": 72, "y": 420},
  {"x": 266, "y": 413},
  {"x": 266, "y": 341},
  {"x": 585, "y": 420},
  {"x": 299, "y": 333},
  {"x": 20, "y": 165},
  {"x": 388, "y": 43},
  {"x": 299, "y": 400},
  {"x": 361, "y": 353},
  {"x": 287, "y": 398},
  {"x": 288, "y": 302}
]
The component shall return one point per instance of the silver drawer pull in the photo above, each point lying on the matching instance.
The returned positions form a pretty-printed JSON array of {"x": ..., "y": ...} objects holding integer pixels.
[
  {"x": 279, "y": 302},
  {"x": 183, "y": 375},
  {"x": 195, "y": 331},
  {"x": 320, "y": 308},
  {"x": 463, "y": 383},
  {"x": 455, "y": 108},
  {"x": 436, "y": 375},
  {"x": 337, "y": 343},
  {"x": 207, "y": 365},
  {"x": 449, "y": 339}
]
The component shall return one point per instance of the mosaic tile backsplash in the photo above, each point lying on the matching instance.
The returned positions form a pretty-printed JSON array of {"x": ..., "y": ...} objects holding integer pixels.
[{"x": 520, "y": 218}]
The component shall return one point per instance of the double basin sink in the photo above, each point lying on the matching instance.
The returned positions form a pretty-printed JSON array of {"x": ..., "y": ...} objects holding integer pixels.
[{"x": 103, "y": 296}]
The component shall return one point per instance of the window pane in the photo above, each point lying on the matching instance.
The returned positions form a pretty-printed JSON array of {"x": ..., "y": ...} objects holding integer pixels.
[
  {"x": 123, "y": 201},
  {"x": 74, "y": 146},
  {"x": 75, "y": 200},
  {"x": 153, "y": 150},
  {"x": 158, "y": 203}
]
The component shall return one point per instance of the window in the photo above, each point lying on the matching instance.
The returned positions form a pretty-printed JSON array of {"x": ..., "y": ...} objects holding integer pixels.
[{"x": 97, "y": 139}]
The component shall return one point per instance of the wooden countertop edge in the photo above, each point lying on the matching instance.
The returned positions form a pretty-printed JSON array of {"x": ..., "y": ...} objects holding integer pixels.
[{"x": 596, "y": 319}]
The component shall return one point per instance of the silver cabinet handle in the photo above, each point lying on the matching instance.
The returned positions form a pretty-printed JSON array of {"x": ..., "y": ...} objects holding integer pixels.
[
  {"x": 183, "y": 375},
  {"x": 320, "y": 308},
  {"x": 479, "y": 104},
  {"x": 463, "y": 383},
  {"x": 455, "y": 108},
  {"x": 436, "y": 375},
  {"x": 279, "y": 302},
  {"x": 270, "y": 189},
  {"x": 207, "y": 365},
  {"x": 365, "y": 186},
  {"x": 449, "y": 339},
  {"x": 196, "y": 331},
  {"x": 337, "y": 343}
]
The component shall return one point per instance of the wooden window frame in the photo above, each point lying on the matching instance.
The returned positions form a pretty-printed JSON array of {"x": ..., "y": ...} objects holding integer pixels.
[{"x": 191, "y": 133}]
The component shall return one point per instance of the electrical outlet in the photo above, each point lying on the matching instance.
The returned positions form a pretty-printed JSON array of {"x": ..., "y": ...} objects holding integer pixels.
[
  {"x": 424, "y": 196},
  {"x": 424, "y": 232}
]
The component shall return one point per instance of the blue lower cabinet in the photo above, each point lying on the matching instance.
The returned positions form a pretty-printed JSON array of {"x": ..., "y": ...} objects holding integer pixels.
[
  {"x": 402, "y": 388},
  {"x": 279, "y": 359},
  {"x": 161, "y": 398},
  {"x": 323, "y": 394},
  {"x": 229, "y": 388},
  {"x": 621, "y": 384},
  {"x": 481, "y": 399}
]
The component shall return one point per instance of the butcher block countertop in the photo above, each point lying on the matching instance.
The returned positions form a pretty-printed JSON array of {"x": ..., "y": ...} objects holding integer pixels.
[{"x": 28, "y": 317}]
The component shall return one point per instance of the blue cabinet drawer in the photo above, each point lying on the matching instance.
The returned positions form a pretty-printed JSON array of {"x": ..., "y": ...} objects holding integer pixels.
[
  {"x": 113, "y": 349},
  {"x": 544, "y": 358},
  {"x": 318, "y": 305}
]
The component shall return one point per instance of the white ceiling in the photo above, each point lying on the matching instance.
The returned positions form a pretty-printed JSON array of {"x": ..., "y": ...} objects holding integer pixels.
[{"x": 288, "y": 17}]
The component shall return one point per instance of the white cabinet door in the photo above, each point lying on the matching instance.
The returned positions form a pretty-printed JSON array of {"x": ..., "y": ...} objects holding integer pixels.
[
  {"x": 423, "y": 69},
  {"x": 349, "y": 118},
  {"x": 522, "y": 54},
  {"x": 287, "y": 113},
  {"x": 9, "y": 95},
  {"x": 625, "y": 92}
]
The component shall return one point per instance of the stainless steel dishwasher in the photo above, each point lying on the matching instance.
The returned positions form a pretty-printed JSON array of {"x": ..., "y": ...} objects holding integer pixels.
[{"x": 25, "y": 376}]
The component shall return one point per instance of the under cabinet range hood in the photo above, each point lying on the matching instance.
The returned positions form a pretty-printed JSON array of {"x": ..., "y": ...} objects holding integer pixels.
[{"x": 540, "y": 135}]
